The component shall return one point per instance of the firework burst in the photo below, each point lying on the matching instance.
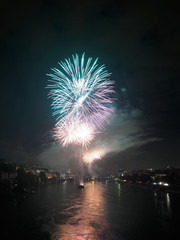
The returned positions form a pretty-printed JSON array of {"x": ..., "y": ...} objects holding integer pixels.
[
  {"x": 74, "y": 132},
  {"x": 95, "y": 154},
  {"x": 81, "y": 89},
  {"x": 81, "y": 93}
]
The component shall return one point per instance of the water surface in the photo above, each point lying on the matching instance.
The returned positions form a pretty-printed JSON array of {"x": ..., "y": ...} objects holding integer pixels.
[{"x": 98, "y": 212}]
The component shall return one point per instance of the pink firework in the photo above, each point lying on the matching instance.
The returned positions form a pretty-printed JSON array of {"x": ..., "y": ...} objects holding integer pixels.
[{"x": 74, "y": 132}]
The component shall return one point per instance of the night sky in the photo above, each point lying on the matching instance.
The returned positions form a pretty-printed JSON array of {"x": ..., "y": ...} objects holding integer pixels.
[{"x": 138, "y": 41}]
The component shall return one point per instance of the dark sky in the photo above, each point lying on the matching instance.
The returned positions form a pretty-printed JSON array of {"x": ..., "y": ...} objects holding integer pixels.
[{"x": 138, "y": 41}]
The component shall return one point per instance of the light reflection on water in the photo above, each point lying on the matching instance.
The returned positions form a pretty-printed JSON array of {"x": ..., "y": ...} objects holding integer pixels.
[
  {"x": 109, "y": 212},
  {"x": 119, "y": 189},
  {"x": 163, "y": 203},
  {"x": 100, "y": 211},
  {"x": 86, "y": 211}
]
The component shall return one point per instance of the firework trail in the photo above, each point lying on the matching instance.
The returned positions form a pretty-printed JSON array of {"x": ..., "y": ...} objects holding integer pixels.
[{"x": 81, "y": 92}]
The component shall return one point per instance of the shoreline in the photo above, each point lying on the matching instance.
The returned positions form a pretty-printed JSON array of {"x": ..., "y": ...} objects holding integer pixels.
[{"x": 155, "y": 188}]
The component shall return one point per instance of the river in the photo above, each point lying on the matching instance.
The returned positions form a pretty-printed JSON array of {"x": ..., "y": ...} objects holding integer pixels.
[{"x": 100, "y": 211}]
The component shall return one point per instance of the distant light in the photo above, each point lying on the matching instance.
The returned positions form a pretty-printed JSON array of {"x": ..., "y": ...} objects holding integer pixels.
[
  {"x": 123, "y": 90},
  {"x": 166, "y": 184},
  {"x": 163, "y": 183}
]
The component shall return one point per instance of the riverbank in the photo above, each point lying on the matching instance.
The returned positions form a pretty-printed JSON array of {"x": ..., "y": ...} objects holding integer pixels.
[{"x": 175, "y": 189}]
